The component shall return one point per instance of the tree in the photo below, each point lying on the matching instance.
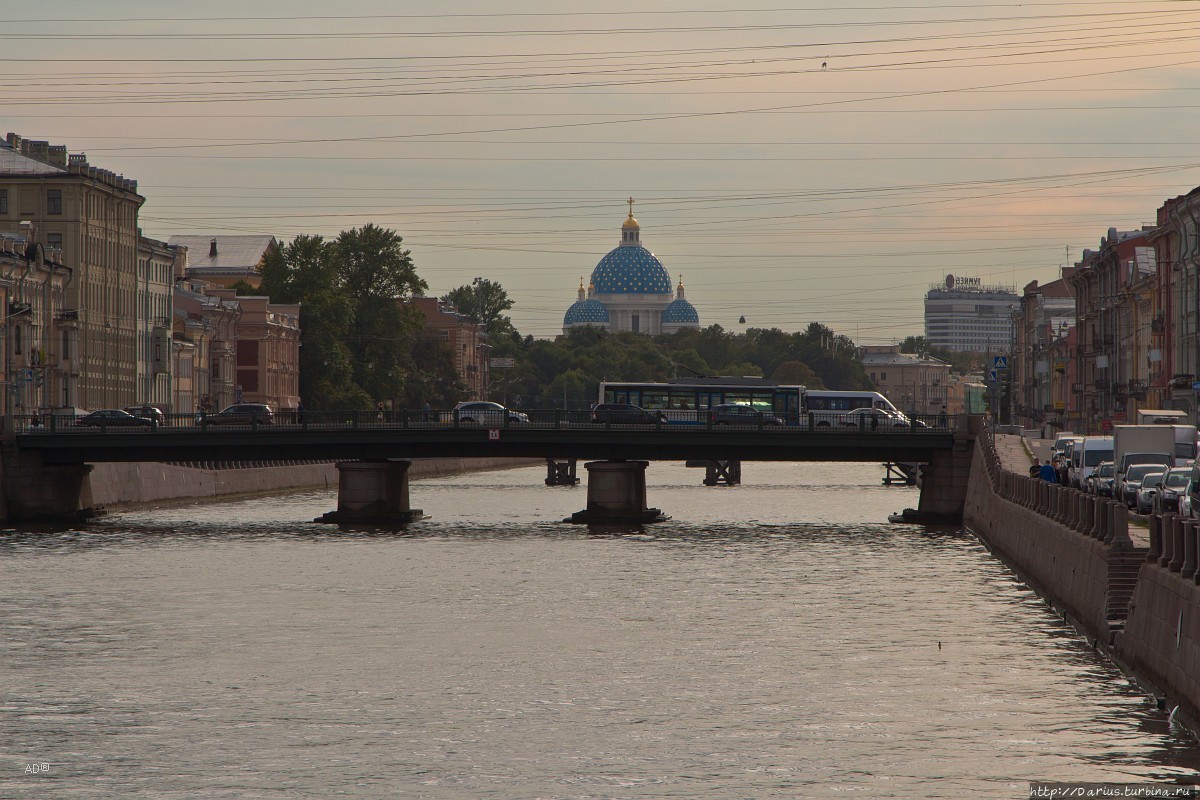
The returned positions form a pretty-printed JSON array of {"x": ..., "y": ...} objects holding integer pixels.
[
  {"x": 359, "y": 344},
  {"x": 484, "y": 302},
  {"x": 378, "y": 274}
]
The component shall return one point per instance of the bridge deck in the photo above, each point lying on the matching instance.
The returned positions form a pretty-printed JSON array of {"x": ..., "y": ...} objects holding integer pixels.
[{"x": 550, "y": 435}]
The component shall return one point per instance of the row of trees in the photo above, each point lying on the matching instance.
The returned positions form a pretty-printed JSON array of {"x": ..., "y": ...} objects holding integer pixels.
[{"x": 361, "y": 345}]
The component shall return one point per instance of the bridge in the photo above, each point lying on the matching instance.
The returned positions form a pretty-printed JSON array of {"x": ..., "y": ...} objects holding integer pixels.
[{"x": 45, "y": 464}]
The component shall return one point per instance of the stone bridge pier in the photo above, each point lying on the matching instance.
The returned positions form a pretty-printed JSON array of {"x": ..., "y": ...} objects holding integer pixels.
[
  {"x": 33, "y": 490},
  {"x": 944, "y": 479},
  {"x": 373, "y": 492}
]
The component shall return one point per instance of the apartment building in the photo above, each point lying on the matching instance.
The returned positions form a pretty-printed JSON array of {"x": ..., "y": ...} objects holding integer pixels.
[{"x": 89, "y": 216}]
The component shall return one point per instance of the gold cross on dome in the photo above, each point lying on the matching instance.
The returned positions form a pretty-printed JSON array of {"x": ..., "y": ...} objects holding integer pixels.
[{"x": 631, "y": 206}]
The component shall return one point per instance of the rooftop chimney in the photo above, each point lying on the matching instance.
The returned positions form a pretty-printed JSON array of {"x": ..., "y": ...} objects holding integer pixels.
[{"x": 212, "y": 249}]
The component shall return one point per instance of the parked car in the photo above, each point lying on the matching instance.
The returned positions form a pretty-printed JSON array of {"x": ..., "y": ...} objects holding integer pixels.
[
  {"x": 486, "y": 414},
  {"x": 741, "y": 414},
  {"x": 1100, "y": 482},
  {"x": 875, "y": 418},
  {"x": 152, "y": 413},
  {"x": 1126, "y": 486},
  {"x": 1148, "y": 491},
  {"x": 1174, "y": 486},
  {"x": 113, "y": 418},
  {"x": 242, "y": 414},
  {"x": 626, "y": 414}
]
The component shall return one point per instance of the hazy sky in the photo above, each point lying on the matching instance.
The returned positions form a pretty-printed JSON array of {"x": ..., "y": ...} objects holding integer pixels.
[{"x": 794, "y": 162}]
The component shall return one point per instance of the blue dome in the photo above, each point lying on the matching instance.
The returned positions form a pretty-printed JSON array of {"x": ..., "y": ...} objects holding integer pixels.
[
  {"x": 631, "y": 269},
  {"x": 680, "y": 310},
  {"x": 586, "y": 311}
]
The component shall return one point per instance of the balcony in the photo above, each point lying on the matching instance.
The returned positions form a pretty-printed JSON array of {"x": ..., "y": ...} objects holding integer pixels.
[
  {"x": 1182, "y": 380},
  {"x": 1137, "y": 389},
  {"x": 1101, "y": 384}
]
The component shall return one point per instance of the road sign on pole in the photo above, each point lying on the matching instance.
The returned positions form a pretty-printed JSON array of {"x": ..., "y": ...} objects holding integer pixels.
[
  {"x": 992, "y": 376},
  {"x": 1000, "y": 362}
]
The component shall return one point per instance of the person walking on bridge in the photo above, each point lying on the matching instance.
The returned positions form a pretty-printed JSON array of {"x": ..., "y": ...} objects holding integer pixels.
[
  {"x": 1035, "y": 469},
  {"x": 1048, "y": 473}
]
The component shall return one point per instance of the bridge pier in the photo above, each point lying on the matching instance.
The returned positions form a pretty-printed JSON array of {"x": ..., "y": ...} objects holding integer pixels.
[
  {"x": 944, "y": 478},
  {"x": 373, "y": 492},
  {"x": 616, "y": 493},
  {"x": 728, "y": 473},
  {"x": 561, "y": 473},
  {"x": 33, "y": 490}
]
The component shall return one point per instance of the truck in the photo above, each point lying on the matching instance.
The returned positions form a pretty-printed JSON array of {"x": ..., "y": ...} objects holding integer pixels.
[
  {"x": 1161, "y": 416},
  {"x": 1143, "y": 444}
]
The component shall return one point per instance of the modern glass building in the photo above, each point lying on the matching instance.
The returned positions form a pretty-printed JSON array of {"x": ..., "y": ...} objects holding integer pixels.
[{"x": 964, "y": 315}]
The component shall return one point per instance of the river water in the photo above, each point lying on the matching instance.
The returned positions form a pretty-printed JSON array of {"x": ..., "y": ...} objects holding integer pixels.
[{"x": 778, "y": 639}]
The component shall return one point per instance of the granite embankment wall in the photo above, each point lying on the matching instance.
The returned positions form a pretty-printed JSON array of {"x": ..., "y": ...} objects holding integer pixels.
[
  {"x": 1126, "y": 587},
  {"x": 117, "y": 484},
  {"x": 1161, "y": 639}
]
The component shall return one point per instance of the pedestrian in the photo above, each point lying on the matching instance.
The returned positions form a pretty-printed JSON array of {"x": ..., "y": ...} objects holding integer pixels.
[
  {"x": 942, "y": 418},
  {"x": 1036, "y": 468},
  {"x": 426, "y": 412},
  {"x": 379, "y": 411},
  {"x": 1048, "y": 473},
  {"x": 300, "y": 412}
]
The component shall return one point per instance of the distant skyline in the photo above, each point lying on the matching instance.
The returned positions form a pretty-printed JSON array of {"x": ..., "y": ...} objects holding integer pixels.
[{"x": 794, "y": 164}]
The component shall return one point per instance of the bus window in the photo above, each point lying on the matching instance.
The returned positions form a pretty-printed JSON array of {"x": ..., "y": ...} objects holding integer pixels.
[{"x": 653, "y": 399}]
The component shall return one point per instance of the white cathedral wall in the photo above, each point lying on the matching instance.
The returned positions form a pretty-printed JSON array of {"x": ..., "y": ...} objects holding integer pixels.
[{"x": 622, "y": 307}]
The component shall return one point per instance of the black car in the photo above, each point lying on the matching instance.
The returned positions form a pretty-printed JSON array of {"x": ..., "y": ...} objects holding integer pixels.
[
  {"x": 114, "y": 418},
  {"x": 153, "y": 413},
  {"x": 626, "y": 414},
  {"x": 741, "y": 414},
  {"x": 242, "y": 414}
]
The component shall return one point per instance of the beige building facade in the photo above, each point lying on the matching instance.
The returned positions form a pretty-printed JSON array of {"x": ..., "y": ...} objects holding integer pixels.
[
  {"x": 916, "y": 384},
  {"x": 89, "y": 215}
]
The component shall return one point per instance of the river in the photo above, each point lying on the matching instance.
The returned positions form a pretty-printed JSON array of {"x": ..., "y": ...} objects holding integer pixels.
[{"x": 774, "y": 639}]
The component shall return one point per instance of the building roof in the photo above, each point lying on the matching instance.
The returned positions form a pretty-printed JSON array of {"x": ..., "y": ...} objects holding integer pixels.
[
  {"x": 631, "y": 270},
  {"x": 894, "y": 359},
  {"x": 13, "y": 163},
  {"x": 586, "y": 312},
  {"x": 680, "y": 311},
  {"x": 234, "y": 253}
]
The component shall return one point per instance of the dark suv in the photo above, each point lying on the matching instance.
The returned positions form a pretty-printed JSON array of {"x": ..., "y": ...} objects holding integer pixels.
[
  {"x": 626, "y": 414},
  {"x": 242, "y": 414}
]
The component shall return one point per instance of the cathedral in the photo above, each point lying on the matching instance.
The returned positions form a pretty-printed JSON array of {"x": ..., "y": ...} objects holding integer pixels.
[{"x": 630, "y": 290}]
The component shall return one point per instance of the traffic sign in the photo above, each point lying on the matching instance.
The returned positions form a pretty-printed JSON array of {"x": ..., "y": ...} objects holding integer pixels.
[
  {"x": 503, "y": 363},
  {"x": 1000, "y": 362},
  {"x": 992, "y": 375}
]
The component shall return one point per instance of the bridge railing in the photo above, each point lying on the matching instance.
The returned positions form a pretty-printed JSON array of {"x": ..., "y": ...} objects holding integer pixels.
[{"x": 670, "y": 419}]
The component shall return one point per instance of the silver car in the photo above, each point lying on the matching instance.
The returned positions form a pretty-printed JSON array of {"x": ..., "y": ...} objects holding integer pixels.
[
  {"x": 486, "y": 414},
  {"x": 1151, "y": 486}
]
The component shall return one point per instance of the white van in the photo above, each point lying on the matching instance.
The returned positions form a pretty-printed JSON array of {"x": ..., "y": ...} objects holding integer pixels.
[
  {"x": 1086, "y": 454},
  {"x": 1061, "y": 442}
]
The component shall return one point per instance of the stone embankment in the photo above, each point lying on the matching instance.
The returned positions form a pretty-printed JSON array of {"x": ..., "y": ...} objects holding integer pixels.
[
  {"x": 1132, "y": 591},
  {"x": 117, "y": 484}
]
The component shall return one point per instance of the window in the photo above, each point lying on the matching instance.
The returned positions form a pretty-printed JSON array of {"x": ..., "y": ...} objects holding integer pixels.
[
  {"x": 3, "y": 201},
  {"x": 883, "y": 376},
  {"x": 66, "y": 345},
  {"x": 54, "y": 241},
  {"x": 635, "y": 323},
  {"x": 54, "y": 201}
]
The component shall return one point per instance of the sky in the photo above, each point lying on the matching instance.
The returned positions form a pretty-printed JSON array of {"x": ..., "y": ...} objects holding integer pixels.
[{"x": 790, "y": 162}]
